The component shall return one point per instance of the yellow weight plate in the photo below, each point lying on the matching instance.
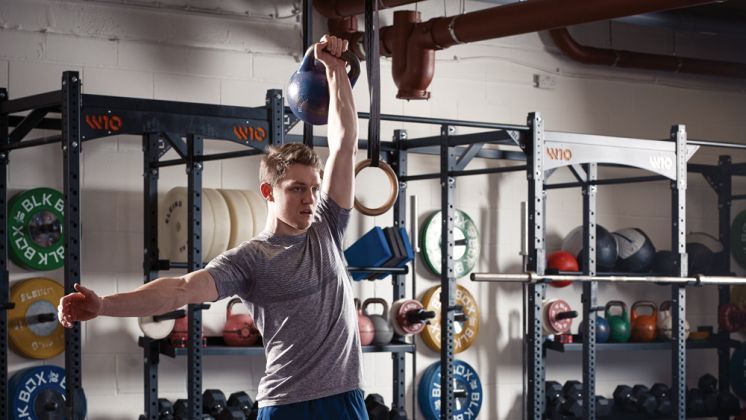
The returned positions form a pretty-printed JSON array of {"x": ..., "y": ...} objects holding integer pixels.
[
  {"x": 34, "y": 331},
  {"x": 738, "y": 296},
  {"x": 464, "y": 333}
]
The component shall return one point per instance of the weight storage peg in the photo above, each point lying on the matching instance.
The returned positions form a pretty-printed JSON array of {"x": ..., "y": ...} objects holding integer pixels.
[
  {"x": 409, "y": 317},
  {"x": 384, "y": 330},
  {"x": 239, "y": 329}
]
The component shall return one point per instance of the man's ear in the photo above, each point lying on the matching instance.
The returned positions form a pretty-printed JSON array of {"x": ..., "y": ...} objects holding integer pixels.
[{"x": 266, "y": 189}]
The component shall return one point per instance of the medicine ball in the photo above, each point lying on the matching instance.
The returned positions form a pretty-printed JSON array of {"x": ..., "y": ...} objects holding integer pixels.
[
  {"x": 636, "y": 251},
  {"x": 606, "y": 247},
  {"x": 702, "y": 249},
  {"x": 561, "y": 261},
  {"x": 663, "y": 263}
]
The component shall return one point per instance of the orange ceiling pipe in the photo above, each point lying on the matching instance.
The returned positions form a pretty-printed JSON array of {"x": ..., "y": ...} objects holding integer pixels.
[
  {"x": 336, "y": 9},
  {"x": 629, "y": 59},
  {"x": 415, "y": 42}
]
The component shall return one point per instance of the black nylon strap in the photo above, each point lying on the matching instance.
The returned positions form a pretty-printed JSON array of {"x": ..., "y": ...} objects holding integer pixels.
[{"x": 372, "y": 64}]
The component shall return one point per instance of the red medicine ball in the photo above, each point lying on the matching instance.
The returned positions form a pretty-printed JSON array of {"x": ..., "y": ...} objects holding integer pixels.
[{"x": 562, "y": 261}]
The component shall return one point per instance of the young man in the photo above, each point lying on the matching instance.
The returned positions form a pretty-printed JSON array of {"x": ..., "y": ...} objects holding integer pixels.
[{"x": 292, "y": 276}]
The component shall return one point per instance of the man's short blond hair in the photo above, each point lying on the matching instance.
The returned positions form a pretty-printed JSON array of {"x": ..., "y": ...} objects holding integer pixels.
[{"x": 277, "y": 160}]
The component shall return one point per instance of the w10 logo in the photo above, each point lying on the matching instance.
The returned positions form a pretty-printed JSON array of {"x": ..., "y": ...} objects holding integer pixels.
[
  {"x": 559, "y": 153},
  {"x": 661, "y": 162},
  {"x": 104, "y": 122}
]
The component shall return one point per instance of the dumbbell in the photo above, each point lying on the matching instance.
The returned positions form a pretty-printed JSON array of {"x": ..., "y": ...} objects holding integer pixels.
[
  {"x": 400, "y": 414},
  {"x": 165, "y": 409},
  {"x": 708, "y": 384},
  {"x": 603, "y": 406},
  {"x": 695, "y": 402},
  {"x": 231, "y": 413},
  {"x": 573, "y": 393},
  {"x": 554, "y": 398},
  {"x": 181, "y": 411},
  {"x": 213, "y": 402},
  {"x": 243, "y": 402},
  {"x": 632, "y": 402},
  {"x": 376, "y": 408},
  {"x": 662, "y": 394}
]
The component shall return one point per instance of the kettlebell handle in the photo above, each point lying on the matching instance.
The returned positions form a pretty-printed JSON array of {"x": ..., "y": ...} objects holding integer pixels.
[
  {"x": 368, "y": 301},
  {"x": 613, "y": 303},
  {"x": 309, "y": 63},
  {"x": 229, "y": 308},
  {"x": 643, "y": 304}
]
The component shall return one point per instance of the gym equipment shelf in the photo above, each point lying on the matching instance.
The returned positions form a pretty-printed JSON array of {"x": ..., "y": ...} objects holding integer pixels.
[{"x": 713, "y": 343}]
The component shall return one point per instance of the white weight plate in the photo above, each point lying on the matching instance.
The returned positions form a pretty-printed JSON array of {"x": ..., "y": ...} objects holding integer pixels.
[
  {"x": 153, "y": 329},
  {"x": 258, "y": 210},
  {"x": 242, "y": 222},
  {"x": 222, "y": 217},
  {"x": 176, "y": 225}
]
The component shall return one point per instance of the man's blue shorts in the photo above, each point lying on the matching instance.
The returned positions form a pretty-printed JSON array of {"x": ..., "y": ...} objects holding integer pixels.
[{"x": 345, "y": 406}]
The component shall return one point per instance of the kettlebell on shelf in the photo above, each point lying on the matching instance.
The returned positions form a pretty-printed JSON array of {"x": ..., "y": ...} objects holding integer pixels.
[
  {"x": 179, "y": 336},
  {"x": 308, "y": 90},
  {"x": 602, "y": 327},
  {"x": 239, "y": 329},
  {"x": 364, "y": 325},
  {"x": 619, "y": 329},
  {"x": 665, "y": 319},
  {"x": 644, "y": 326},
  {"x": 384, "y": 330}
]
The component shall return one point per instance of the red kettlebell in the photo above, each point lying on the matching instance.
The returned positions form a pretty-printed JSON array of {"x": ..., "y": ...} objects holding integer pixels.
[
  {"x": 239, "y": 329},
  {"x": 644, "y": 326},
  {"x": 179, "y": 336},
  {"x": 308, "y": 90},
  {"x": 562, "y": 261},
  {"x": 365, "y": 326}
]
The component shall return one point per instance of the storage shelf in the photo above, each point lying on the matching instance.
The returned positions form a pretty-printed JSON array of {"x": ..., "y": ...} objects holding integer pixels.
[
  {"x": 713, "y": 343},
  {"x": 216, "y": 347}
]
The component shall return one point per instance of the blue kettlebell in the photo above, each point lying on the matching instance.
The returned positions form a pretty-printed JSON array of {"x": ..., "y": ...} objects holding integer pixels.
[
  {"x": 602, "y": 327},
  {"x": 308, "y": 90}
]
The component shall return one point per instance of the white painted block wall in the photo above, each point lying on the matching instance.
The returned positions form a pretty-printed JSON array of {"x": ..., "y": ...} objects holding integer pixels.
[{"x": 224, "y": 53}]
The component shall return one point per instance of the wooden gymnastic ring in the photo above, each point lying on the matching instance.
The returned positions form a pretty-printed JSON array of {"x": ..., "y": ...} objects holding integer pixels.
[{"x": 394, "y": 189}]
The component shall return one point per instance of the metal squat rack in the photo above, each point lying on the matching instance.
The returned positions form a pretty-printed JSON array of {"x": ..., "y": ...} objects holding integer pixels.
[
  {"x": 546, "y": 152},
  {"x": 163, "y": 125}
]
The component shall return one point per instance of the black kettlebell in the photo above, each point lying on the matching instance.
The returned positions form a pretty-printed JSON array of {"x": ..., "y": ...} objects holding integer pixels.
[
  {"x": 308, "y": 90},
  {"x": 619, "y": 328}
]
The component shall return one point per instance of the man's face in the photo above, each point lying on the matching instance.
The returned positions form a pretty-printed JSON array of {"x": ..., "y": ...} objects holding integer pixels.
[{"x": 295, "y": 197}]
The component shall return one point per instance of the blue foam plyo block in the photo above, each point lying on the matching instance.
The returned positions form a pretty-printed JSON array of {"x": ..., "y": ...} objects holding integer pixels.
[
  {"x": 408, "y": 250},
  {"x": 371, "y": 250}
]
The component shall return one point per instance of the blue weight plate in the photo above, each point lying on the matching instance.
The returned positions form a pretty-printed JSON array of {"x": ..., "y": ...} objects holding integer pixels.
[
  {"x": 738, "y": 371},
  {"x": 466, "y": 379},
  {"x": 38, "y": 393}
]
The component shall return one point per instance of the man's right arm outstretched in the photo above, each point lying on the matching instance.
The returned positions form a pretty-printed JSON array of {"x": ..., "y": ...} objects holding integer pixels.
[{"x": 156, "y": 297}]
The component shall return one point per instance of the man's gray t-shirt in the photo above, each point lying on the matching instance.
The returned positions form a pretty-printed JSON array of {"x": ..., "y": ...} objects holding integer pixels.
[{"x": 298, "y": 291}]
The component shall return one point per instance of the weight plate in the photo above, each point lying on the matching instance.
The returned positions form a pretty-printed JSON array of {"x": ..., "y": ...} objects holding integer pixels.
[
  {"x": 153, "y": 329},
  {"x": 222, "y": 217},
  {"x": 398, "y": 317},
  {"x": 38, "y": 393},
  {"x": 174, "y": 220},
  {"x": 738, "y": 371},
  {"x": 242, "y": 222},
  {"x": 258, "y": 210},
  {"x": 34, "y": 331},
  {"x": 35, "y": 224},
  {"x": 464, "y": 333},
  {"x": 465, "y": 378},
  {"x": 464, "y": 256},
  {"x": 551, "y": 324}
]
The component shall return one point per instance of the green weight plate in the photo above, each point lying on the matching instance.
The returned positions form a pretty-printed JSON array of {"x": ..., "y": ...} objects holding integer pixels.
[
  {"x": 738, "y": 371},
  {"x": 35, "y": 222},
  {"x": 738, "y": 238},
  {"x": 464, "y": 256}
]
